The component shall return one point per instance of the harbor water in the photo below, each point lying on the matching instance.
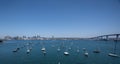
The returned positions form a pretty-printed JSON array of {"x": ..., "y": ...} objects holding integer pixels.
[{"x": 53, "y": 56}]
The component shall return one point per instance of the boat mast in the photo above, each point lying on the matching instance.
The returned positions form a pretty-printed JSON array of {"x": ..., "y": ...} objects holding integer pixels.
[{"x": 115, "y": 41}]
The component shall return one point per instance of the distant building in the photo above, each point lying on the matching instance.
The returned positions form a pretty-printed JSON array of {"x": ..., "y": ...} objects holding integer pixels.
[{"x": 8, "y": 38}]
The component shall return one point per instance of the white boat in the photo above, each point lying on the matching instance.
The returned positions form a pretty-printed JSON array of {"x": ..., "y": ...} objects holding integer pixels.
[
  {"x": 58, "y": 49},
  {"x": 113, "y": 55},
  {"x": 43, "y": 49},
  {"x": 86, "y": 53},
  {"x": 78, "y": 50},
  {"x": 66, "y": 53},
  {"x": 28, "y": 51}
]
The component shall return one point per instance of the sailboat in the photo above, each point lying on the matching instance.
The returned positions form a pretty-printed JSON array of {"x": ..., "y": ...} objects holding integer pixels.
[
  {"x": 96, "y": 51},
  {"x": 84, "y": 49},
  {"x": 113, "y": 54},
  {"x": 28, "y": 50},
  {"x": 15, "y": 50},
  {"x": 58, "y": 49},
  {"x": 86, "y": 53},
  {"x": 43, "y": 49},
  {"x": 66, "y": 53},
  {"x": 78, "y": 50}
]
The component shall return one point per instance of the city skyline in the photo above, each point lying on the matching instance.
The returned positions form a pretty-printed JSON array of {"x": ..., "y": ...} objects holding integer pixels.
[{"x": 59, "y": 18}]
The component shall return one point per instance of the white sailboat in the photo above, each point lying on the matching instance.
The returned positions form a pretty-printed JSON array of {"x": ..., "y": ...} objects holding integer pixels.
[
  {"x": 113, "y": 55},
  {"x": 58, "y": 49},
  {"x": 86, "y": 53},
  {"x": 43, "y": 49},
  {"x": 114, "y": 52},
  {"x": 78, "y": 50},
  {"x": 28, "y": 51},
  {"x": 66, "y": 52}
]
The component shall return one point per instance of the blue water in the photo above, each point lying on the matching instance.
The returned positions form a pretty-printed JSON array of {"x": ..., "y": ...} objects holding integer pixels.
[{"x": 53, "y": 56}]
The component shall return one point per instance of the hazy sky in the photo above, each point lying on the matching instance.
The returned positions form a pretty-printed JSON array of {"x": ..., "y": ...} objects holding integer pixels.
[{"x": 61, "y": 18}]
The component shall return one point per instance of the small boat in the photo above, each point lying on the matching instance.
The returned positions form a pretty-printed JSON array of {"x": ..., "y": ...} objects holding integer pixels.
[
  {"x": 58, "y": 49},
  {"x": 43, "y": 49},
  {"x": 16, "y": 49},
  {"x": 96, "y": 51},
  {"x": 66, "y": 53},
  {"x": 86, "y": 53},
  {"x": 84, "y": 49},
  {"x": 28, "y": 51},
  {"x": 78, "y": 50},
  {"x": 44, "y": 52},
  {"x": 30, "y": 48},
  {"x": 113, "y": 55}
]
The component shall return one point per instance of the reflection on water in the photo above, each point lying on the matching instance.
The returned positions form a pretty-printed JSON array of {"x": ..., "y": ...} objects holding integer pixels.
[{"x": 54, "y": 52}]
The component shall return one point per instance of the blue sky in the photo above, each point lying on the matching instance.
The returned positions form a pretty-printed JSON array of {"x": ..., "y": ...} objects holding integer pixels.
[{"x": 61, "y": 18}]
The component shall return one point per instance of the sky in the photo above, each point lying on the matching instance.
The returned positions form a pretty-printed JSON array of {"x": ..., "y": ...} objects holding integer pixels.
[{"x": 59, "y": 18}]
